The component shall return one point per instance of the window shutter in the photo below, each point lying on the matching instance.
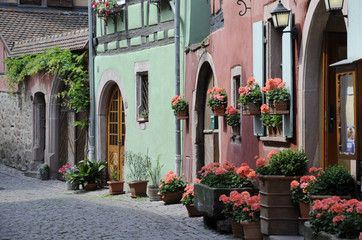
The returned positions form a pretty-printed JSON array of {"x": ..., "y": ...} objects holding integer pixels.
[
  {"x": 258, "y": 67},
  {"x": 287, "y": 76}
]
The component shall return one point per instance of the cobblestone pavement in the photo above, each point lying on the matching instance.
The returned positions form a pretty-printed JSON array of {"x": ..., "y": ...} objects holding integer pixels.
[{"x": 35, "y": 209}]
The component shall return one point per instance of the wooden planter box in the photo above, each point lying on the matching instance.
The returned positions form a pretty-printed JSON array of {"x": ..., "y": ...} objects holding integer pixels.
[
  {"x": 206, "y": 199},
  {"x": 251, "y": 109},
  {"x": 280, "y": 107},
  {"x": 278, "y": 214}
]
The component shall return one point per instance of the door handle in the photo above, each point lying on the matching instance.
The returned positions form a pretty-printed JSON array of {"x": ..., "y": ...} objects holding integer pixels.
[
  {"x": 331, "y": 118},
  {"x": 120, "y": 142}
]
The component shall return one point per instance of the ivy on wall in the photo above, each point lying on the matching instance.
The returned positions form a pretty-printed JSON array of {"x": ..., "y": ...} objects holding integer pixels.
[{"x": 70, "y": 66}]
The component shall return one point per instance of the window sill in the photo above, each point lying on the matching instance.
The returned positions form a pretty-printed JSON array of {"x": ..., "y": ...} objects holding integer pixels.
[{"x": 273, "y": 139}]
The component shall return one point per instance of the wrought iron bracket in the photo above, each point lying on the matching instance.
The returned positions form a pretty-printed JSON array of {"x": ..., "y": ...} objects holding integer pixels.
[{"x": 245, "y": 8}]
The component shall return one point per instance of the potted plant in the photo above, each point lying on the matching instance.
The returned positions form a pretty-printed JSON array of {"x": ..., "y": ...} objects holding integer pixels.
[
  {"x": 277, "y": 96},
  {"x": 104, "y": 8},
  {"x": 171, "y": 188},
  {"x": 233, "y": 119},
  {"x": 275, "y": 176},
  {"x": 217, "y": 100},
  {"x": 43, "y": 171},
  {"x": 154, "y": 172},
  {"x": 244, "y": 212},
  {"x": 300, "y": 192},
  {"x": 335, "y": 218},
  {"x": 215, "y": 180},
  {"x": 250, "y": 97},
  {"x": 67, "y": 170},
  {"x": 89, "y": 174},
  {"x": 138, "y": 173},
  {"x": 115, "y": 184},
  {"x": 188, "y": 201},
  {"x": 180, "y": 106},
  {"x": 274, "y": 123},
  {"x": 143, "y": 117}
]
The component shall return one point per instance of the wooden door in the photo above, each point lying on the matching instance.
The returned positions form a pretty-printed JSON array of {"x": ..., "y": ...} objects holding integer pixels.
[
  {"x": 211, "y": 131},
  {"x": 115, "y": 134},
  {"x": 334, "y": 50}
]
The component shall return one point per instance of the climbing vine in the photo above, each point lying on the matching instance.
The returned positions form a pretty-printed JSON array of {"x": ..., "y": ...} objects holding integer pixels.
[{"x": 70, "y": 66}]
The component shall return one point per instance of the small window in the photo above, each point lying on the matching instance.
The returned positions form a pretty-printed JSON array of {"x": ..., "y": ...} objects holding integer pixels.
[
  {"x": 30, "y": 2},
  {"x": 236, "y": 86},
  {"x": 142, "y": 97}
]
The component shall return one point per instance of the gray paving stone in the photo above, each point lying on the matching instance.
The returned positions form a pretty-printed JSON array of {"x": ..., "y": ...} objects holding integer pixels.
[{"x": 35, "y": 209}]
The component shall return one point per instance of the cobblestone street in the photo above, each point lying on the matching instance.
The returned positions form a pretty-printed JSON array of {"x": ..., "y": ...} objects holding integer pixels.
[{"x": 35, "y": 209}]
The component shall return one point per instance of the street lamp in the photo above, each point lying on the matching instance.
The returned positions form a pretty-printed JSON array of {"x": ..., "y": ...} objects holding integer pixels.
[
  {"x": 334, "y": 5},
  {"x": 280, "y": 16}
]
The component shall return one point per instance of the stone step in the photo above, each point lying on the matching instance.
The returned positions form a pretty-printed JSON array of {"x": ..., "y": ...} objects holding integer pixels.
[
  {"x": 277, "y": 237},
  {"x": 33, "y": 174}
]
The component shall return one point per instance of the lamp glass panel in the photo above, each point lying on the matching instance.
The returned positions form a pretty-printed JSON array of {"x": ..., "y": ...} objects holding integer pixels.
[
  {"x": 283, "y": 19},
  {"x": 327, "y": 5},
  {"x": 275, "y": 21},
  {"x": 336, "y": 4}
]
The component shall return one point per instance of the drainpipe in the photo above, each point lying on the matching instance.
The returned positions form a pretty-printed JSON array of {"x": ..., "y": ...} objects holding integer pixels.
[
  {"x": 177, "y": 84},
  {"x": 91, "y": 84}
]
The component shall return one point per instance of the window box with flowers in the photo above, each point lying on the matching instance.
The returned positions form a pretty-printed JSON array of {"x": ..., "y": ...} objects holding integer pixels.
[
  {"x": 273, "y": 123},
  {"x": 188, "y": 201},
  {"x": 217, "y": 100},
  {"x": 233, "y": 119},
  {"x": 180, "y": 106},
  {"x": 106, "y": 8},
  {"x": 244, "y": 212},
  {"x": 216, "y": 180},
  {"x": 279, "y": 216},
  {"x": 277, "y": 96},
  {"x": 250, "y": 97},
  {"x": 172, "y": 188}
]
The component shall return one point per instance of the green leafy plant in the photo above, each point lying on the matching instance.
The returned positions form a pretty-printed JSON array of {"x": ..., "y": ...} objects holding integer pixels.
[
  {"x": 179, "y": 103},
  {"x": 287, "y": 162},
  {"x": 217, "y": 97},
  {"x": 270, "y": 120},
  {"x": 154, "y": 170},
  {"x": 115, "y": 175},
  {"x": 250, "y": 93},
  {"x": 68, "y": 65},
  {"x": 300, "y": 189},
  {"x": 241, "y": 206},
  {"x": 88, "y": 172},
  {"x": 232, "y": 116},
  {"x": 227, "y": 175},
  {"x": 275, "y": 90},
  {"x": 335, "y": 180},
  {"x": 137, "y": 166},
  {"x": 171, "y": 184},
  {"x": 337, "y": 216},
  {"x": 144, "y": 113},
  {"x": 188, "y": 196},
  {"x": 43, "y": 169}
]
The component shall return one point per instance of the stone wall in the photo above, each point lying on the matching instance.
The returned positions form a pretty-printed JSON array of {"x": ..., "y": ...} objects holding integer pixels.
[{"x": 16, "y": 132}]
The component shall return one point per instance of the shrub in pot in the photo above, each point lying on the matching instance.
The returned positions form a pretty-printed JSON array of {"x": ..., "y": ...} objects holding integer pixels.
[
  {"x": 43, "y": 171},
  {"x": 67, "y": 170},
  {"x": 275, "y": 177},
  {"x": 88, "y": 174},
  {"x": 115, "y": 184},
  {"x": 154, "y": 171},
  {"x": 138, "y": 173}
]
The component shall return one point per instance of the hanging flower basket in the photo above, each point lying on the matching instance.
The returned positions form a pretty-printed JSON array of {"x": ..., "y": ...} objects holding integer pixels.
[
  {"x": 251, "y": 109},
  {"x": 219, "y": 110},
  {"x": 279, "y": 107},
  {"x": 182, "y": 114}
]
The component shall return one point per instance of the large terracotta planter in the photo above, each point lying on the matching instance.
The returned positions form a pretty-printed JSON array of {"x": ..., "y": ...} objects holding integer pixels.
[
  {"x": 91, "y": 186},
  {"x": 252, "y": 230},
  {"x": 251, "y": 109},
  {"x": 192, "y": 211},
  {"x": 171, "y": 198},
  {"x": 237, "y": 229},
  {"x": 115, "y": 187},
  {"x": 304, "y": 209},
  {"x": 138, "y": 188},
  {"x": 278, "y": 214},
  {"x": 153, "y": 193},
  {"x": 182, "y": 114},
  {"x": 206, "y": 199},
  {"x": 219, "y": 110}
]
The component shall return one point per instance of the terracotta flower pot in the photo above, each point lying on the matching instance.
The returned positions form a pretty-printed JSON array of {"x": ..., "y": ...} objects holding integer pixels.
[
  {"x": 237, "y": 229},
  {"x": 192, "y": 211},
  {"x": 182, "y": 114},
  {"x": 138, "y": 188},
  {"x": 219, "y": 110},
  {"x": 170, "y": 198},
  {"x": 115, "y": 187},
  {"x": 251, "y": 109},
  {"x": 252, "y": 230},
  {"x": 304, "y": 209},
  {"x": 91, "y": 186}
]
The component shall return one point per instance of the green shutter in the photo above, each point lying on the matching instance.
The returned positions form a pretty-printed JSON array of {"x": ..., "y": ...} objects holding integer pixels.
[
  {"x": 258, "y": 67},
  {"x": 287, "y": 75}
]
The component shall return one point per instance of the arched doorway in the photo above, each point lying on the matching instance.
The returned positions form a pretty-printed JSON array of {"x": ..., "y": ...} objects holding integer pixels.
[
  {"x": 38, "y": 129},
  {"x": 207, "y": 132},
  {"x": 116, "y": 132}
]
